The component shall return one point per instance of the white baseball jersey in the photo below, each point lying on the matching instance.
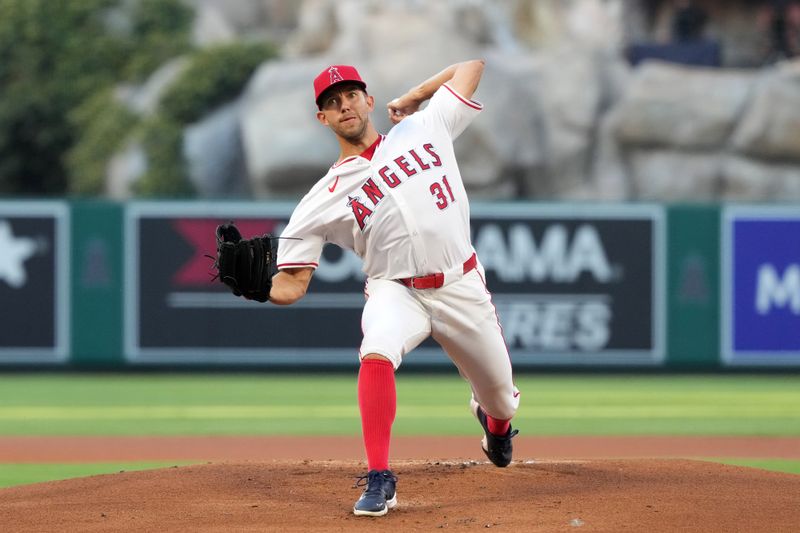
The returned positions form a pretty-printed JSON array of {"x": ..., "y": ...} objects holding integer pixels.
[{"x": 400, "y": 205}]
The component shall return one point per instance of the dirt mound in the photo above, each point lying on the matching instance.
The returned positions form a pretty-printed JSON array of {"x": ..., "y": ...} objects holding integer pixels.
[{"x": 591, "y": 495}]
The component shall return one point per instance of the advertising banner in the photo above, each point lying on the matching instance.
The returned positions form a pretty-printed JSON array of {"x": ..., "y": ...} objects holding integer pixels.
[
  {"x": 761, "y": 285},
  {"x": 572, "y": 285},
  {"x": 576, "y": 284},
  {"x": 34, "y": 278},
  {"x": 176, "y": 313}
]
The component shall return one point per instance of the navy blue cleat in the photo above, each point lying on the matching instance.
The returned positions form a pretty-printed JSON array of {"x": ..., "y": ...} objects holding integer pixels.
[
  {"x": 380, "y": 493},
  {"x": 498, "y": 449}
]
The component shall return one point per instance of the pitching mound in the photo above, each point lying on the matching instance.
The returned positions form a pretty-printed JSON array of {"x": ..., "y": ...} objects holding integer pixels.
[{"x": 597, "y": 495}]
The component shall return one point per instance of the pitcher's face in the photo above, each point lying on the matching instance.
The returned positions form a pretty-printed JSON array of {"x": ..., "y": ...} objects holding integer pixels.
[{"x": 346, "y": 111}]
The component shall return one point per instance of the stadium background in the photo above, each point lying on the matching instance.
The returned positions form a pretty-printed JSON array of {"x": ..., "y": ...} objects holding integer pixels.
[{"x": 638, "y": 316}]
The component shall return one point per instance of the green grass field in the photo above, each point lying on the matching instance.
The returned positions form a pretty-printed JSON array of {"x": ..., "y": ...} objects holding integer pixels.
[
  {"x": 12, "y": 474},
  {"x": 263, "y": 404}
]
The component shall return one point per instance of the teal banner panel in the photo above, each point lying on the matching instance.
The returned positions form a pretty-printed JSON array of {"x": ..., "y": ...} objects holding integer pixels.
[
  {"x": 693, "y": 286},
  {"x": 97, "y": 284}
]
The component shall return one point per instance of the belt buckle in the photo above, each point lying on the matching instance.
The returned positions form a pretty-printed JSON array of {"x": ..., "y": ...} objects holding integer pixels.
[{"x": 430, "y": 281}]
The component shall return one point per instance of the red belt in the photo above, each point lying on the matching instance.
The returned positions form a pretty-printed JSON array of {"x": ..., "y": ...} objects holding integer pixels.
[{"x": 434, "y": 281}]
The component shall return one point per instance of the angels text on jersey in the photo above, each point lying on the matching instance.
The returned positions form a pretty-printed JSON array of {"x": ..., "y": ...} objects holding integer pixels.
[{"x": 401, "y": 168}]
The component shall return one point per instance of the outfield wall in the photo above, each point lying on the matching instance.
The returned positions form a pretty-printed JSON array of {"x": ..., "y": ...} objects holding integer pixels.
[{"x": 93, "y": 284}]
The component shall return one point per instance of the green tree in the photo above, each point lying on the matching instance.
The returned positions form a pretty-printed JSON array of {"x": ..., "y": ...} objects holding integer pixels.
[
  {"x": 166, "y": 174},
  {"x": 54, "y": 54},
  {"x": 213, "y": 77},
  {"x": 103, "y": 124}
]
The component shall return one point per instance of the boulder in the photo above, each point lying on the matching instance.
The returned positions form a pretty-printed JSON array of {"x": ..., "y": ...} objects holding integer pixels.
[
  {"x": 220, "y": 21},
  {"x": 502, "y": 145},
  {"x": 534, "y": 136},
  {"x": 770, "y": 128},
  {"x": 565, "y": 117},
  {"x": 759, "y": 181},
  {"x": 124, "y": 170},
  {"x": 693, "y": 134},
  {"x": 316, "y": 29},
  {"x": 213, "y": 152},
  {"x": 286, "y": 150},
  {"x": 609, "y": 179},
  {"x": 211, "y": 28},
  {"x": 238, "y": 15},
  {"x": 674, "y": 175},
  {"x": 566, "y": 97},
  {"x": 675, "y": 106}
]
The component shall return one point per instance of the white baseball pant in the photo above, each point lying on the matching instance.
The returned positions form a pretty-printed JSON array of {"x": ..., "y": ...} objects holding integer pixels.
[{"x": 461, "y": 318}]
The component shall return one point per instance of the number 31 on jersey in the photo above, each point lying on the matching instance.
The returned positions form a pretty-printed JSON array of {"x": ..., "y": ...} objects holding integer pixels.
[{"x": 438, "y": 193}]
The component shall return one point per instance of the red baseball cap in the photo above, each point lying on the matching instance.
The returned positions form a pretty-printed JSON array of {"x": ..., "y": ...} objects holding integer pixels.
[{"x": 334, "y": 75}]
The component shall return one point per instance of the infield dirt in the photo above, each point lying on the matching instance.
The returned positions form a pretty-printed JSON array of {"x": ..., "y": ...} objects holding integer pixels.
[
  {"x": 306, "y": 484},
  {"x": 315, "y": 495}
]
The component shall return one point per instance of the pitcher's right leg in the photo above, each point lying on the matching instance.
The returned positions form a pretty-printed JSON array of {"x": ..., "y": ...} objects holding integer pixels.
[{"x": 393, "y": 323}]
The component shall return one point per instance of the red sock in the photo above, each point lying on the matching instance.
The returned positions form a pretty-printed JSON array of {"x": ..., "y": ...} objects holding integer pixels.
[
  {"x": 377, "y": 401},
  {"x": 498, "y": 427}
]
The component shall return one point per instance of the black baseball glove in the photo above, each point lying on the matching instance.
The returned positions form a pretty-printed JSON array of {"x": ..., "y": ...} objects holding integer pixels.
[{"x": 246, "y": 266}]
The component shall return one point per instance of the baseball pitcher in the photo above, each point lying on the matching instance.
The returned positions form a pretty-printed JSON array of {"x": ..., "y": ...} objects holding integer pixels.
[{"x": 398, "y": 201}]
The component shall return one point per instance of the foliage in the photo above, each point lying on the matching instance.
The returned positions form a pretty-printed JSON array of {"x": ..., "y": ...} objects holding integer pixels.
[
  {"x": 215, "y": 76},
  {"x": 44, "y": 71},
  {"x": 166, "y": 172},
  {"x": 56, "y": 54},
  {"x": 160, "y": 32},
  {"x": 103, "y": 123},
  {"x": 212, "y": 77}
]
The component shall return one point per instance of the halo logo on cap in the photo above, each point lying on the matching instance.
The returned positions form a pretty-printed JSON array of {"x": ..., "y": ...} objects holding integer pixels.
[{"x": 335, "y": 76}]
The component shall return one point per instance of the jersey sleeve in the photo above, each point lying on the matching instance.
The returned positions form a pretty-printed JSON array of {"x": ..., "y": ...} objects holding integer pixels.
[
  {"x": 302, "y": 240},
  {"x": 449, "y": 110}
]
